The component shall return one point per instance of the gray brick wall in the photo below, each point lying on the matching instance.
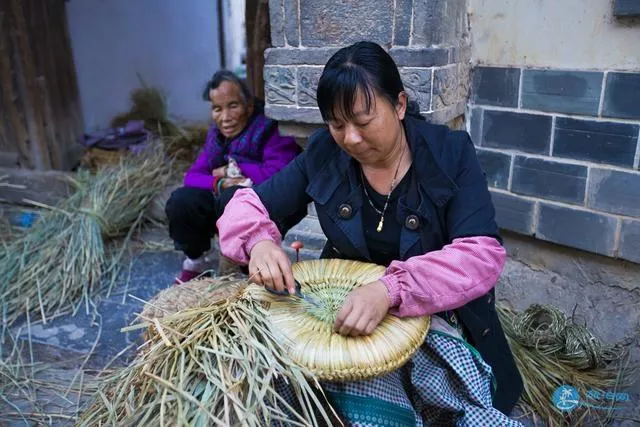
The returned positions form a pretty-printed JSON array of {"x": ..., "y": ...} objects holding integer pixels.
[
  {"x": 428, "y": 40},
  {"x": 561, "y": 152}
]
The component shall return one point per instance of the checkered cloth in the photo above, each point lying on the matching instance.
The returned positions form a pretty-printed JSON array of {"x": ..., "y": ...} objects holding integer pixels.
[{"x": 446, "y": 383}]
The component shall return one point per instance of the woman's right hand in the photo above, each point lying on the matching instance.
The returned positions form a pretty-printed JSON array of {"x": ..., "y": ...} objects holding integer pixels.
[{"x": 270, "y": 266}]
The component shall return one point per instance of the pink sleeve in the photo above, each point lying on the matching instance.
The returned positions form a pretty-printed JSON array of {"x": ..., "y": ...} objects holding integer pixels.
[
  {"x": 199, "y": 174},
  {"x": 446, "y": 279},
  {"x": 244, "y": 223}
]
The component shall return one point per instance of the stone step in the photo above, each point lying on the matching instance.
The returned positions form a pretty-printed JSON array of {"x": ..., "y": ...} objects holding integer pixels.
[
  {"x": 309, "y": 239},
  {"x": 305, "y": 254},
  {"x": 309, "y": 224}
]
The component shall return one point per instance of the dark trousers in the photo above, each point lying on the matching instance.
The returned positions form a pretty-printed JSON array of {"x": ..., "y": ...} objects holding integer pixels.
[{"x": 193, "y": 214}]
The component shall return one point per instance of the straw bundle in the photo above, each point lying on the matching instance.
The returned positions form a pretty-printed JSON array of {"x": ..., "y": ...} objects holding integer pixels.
[
  {"x": 60, "y": 262},
  {"x": 308, "y": 330},
  {"x": 551, "y": 350},
  {"x": 213, "y": 365}
]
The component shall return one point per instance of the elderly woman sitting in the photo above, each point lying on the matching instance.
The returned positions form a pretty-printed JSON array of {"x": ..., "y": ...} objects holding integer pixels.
[{"x": 243, "y": 147}]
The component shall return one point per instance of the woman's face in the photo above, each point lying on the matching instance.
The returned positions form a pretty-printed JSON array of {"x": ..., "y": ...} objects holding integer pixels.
[
  {"x": 370, "y": 136},
  {"x": 229, "y": 110}
]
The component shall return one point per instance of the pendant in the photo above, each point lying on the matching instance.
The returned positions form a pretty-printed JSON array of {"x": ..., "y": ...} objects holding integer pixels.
[{"x": 380, "y": 224}]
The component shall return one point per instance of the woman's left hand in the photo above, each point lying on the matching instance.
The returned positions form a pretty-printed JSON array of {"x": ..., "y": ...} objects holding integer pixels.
[{"x": 363, "y": 309}]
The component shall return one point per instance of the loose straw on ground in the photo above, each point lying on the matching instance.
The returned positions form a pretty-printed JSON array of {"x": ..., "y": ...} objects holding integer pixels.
[
  {"x": 213, "y": 365},
  {"x": 551, "y": 350}
]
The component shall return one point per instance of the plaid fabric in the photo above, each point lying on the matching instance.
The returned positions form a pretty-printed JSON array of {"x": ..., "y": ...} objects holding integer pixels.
[{"x": 446, "y": 383}]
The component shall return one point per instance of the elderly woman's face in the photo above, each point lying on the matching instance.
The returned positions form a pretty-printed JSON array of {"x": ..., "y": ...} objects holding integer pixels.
[
  {"x": 229, "y": 110},
  {"x": 370, "y": 136}
]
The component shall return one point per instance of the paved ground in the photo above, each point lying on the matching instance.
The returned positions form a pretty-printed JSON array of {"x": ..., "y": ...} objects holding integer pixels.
[{"x": 66, "y": 341}]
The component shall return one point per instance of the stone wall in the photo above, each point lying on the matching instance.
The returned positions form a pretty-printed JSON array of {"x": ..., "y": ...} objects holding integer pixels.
[
  {"x": 561, "y": 151},
  {"x": 428, "y": 39}
]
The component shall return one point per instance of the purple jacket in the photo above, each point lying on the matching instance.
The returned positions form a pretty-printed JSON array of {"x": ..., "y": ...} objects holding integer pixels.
[{"x": 260, "y": 151}]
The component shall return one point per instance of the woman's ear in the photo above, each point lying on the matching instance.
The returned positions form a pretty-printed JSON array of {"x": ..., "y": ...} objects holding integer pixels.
[{"x": 401, "y": 105}]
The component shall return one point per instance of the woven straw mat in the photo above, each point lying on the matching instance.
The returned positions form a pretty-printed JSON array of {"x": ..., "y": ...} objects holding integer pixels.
[{"x": 308, "y": 331}]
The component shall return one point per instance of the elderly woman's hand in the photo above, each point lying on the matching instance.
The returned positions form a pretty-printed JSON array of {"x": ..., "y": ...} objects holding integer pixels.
[
  {"x": 219, "y": 172},
  {"x": 270, "y": 266},
  {"x": 363, "y": 309}
]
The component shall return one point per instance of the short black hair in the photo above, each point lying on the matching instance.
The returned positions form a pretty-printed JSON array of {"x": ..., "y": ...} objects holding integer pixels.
[
  {"x": 364, "y": 66},
  {"x": 227, "y": 76}
]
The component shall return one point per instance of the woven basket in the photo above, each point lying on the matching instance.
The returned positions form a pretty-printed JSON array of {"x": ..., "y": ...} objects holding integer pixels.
[
  {"x": 308, "y": 331},
  {"x": 193, "y": 294}
]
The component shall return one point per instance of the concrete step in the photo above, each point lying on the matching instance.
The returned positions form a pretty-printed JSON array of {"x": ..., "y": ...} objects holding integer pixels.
[
  {"x": 310, "y": 224},
  {"x": 305, "y": 254},
  {"x": 309, "y": 239}
]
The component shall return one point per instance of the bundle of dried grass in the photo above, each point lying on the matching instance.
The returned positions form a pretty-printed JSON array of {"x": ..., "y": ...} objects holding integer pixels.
[
  {"x": 213, "y": 365},
  {"x": 149, "y": 104},
  {"x": 60, "y": 263},
  {"x": 551, "y": 350}
]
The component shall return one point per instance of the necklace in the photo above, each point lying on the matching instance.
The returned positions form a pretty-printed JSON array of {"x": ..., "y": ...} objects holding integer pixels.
[{"x": 386, "y": 202}]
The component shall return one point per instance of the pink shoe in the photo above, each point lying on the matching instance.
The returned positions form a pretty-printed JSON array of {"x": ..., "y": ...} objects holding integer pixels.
[
  {"x": 185, "y": 276},
  {"x": 192, "y": 268}
]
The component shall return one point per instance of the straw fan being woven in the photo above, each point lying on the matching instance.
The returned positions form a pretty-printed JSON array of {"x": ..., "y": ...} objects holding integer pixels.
[{"x": 307, "y": 330}]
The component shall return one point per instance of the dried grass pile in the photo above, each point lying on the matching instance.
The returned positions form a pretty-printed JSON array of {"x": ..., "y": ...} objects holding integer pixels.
[
  {"x": 212, "y": 365},
  {"x": 59, "y": 264},
  {"x": 550, "y": 351},
  {"x": 181, "y": 143}
]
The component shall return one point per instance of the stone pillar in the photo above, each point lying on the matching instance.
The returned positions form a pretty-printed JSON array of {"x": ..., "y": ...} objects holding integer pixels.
[{"x": 428, "y": 39}]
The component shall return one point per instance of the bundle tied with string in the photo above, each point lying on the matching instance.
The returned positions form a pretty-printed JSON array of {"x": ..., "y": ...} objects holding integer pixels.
[
  {"x": 551, "y": 350},
  {"x": 59, "y": 264}
]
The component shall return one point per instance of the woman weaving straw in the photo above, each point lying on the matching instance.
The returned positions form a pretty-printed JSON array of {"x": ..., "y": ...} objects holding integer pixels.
[
  {"x": 241, "y": 138},
  {"x": 390, "y": 188}
]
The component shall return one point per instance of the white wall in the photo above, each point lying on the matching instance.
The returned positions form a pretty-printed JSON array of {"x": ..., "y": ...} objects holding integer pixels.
[
  {"x": 577, "y": 34},
  {"x": 173, "y": 44},
  {"x": 234, "y": 32}
]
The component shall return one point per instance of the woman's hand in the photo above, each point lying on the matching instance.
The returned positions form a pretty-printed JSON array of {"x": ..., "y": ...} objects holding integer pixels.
[
  {"x": 363, "y": 309},
  {"x": 270, "y": 266},
  {"x": 220, "y": 172},
  {"x": 230, "y": 182}
]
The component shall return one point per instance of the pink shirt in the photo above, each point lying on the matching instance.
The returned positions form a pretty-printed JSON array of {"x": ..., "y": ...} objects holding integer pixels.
[{"x": 440, "y": 280}]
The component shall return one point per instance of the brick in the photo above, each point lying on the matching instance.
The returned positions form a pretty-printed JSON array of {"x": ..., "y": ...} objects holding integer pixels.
[
  {"x": 614, "y": 191},
  {"x": 513, "y": 213},
  {"x": 495, "y": 86},
  {"x": 627, "y": 8},
  {"x": 562, "y": 91},
  {"x": 580, "y": 229},
  {"x": 280, "y": 85},
  {"x": 307, "y": 84},
  {"x": 629, "y": 237},
  {"x": 276, "y": 22},
  {"x": 293, "y": 114},
  {"x": 417, "y": 84},
  {"x": 402, "y": 22},
  {"x": 602, "y": 142},
  {"x": 549, "y": 180},
  {"x": 439, "y": 22},
  {"x": 291, "y": 22},
  {"x": 621, "y": 96},
  {"x": 340, "y": 23},
  {"x": 530, "y": 133},
  {"x": 475, "y": 125},
  {"x": 445, "y": 115},
  {"x": 424, "y": 57},
  {"x": 445, "y": 86},
  {"x": 496, "y": 166},
  {"x": 289, "y": 56}
]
